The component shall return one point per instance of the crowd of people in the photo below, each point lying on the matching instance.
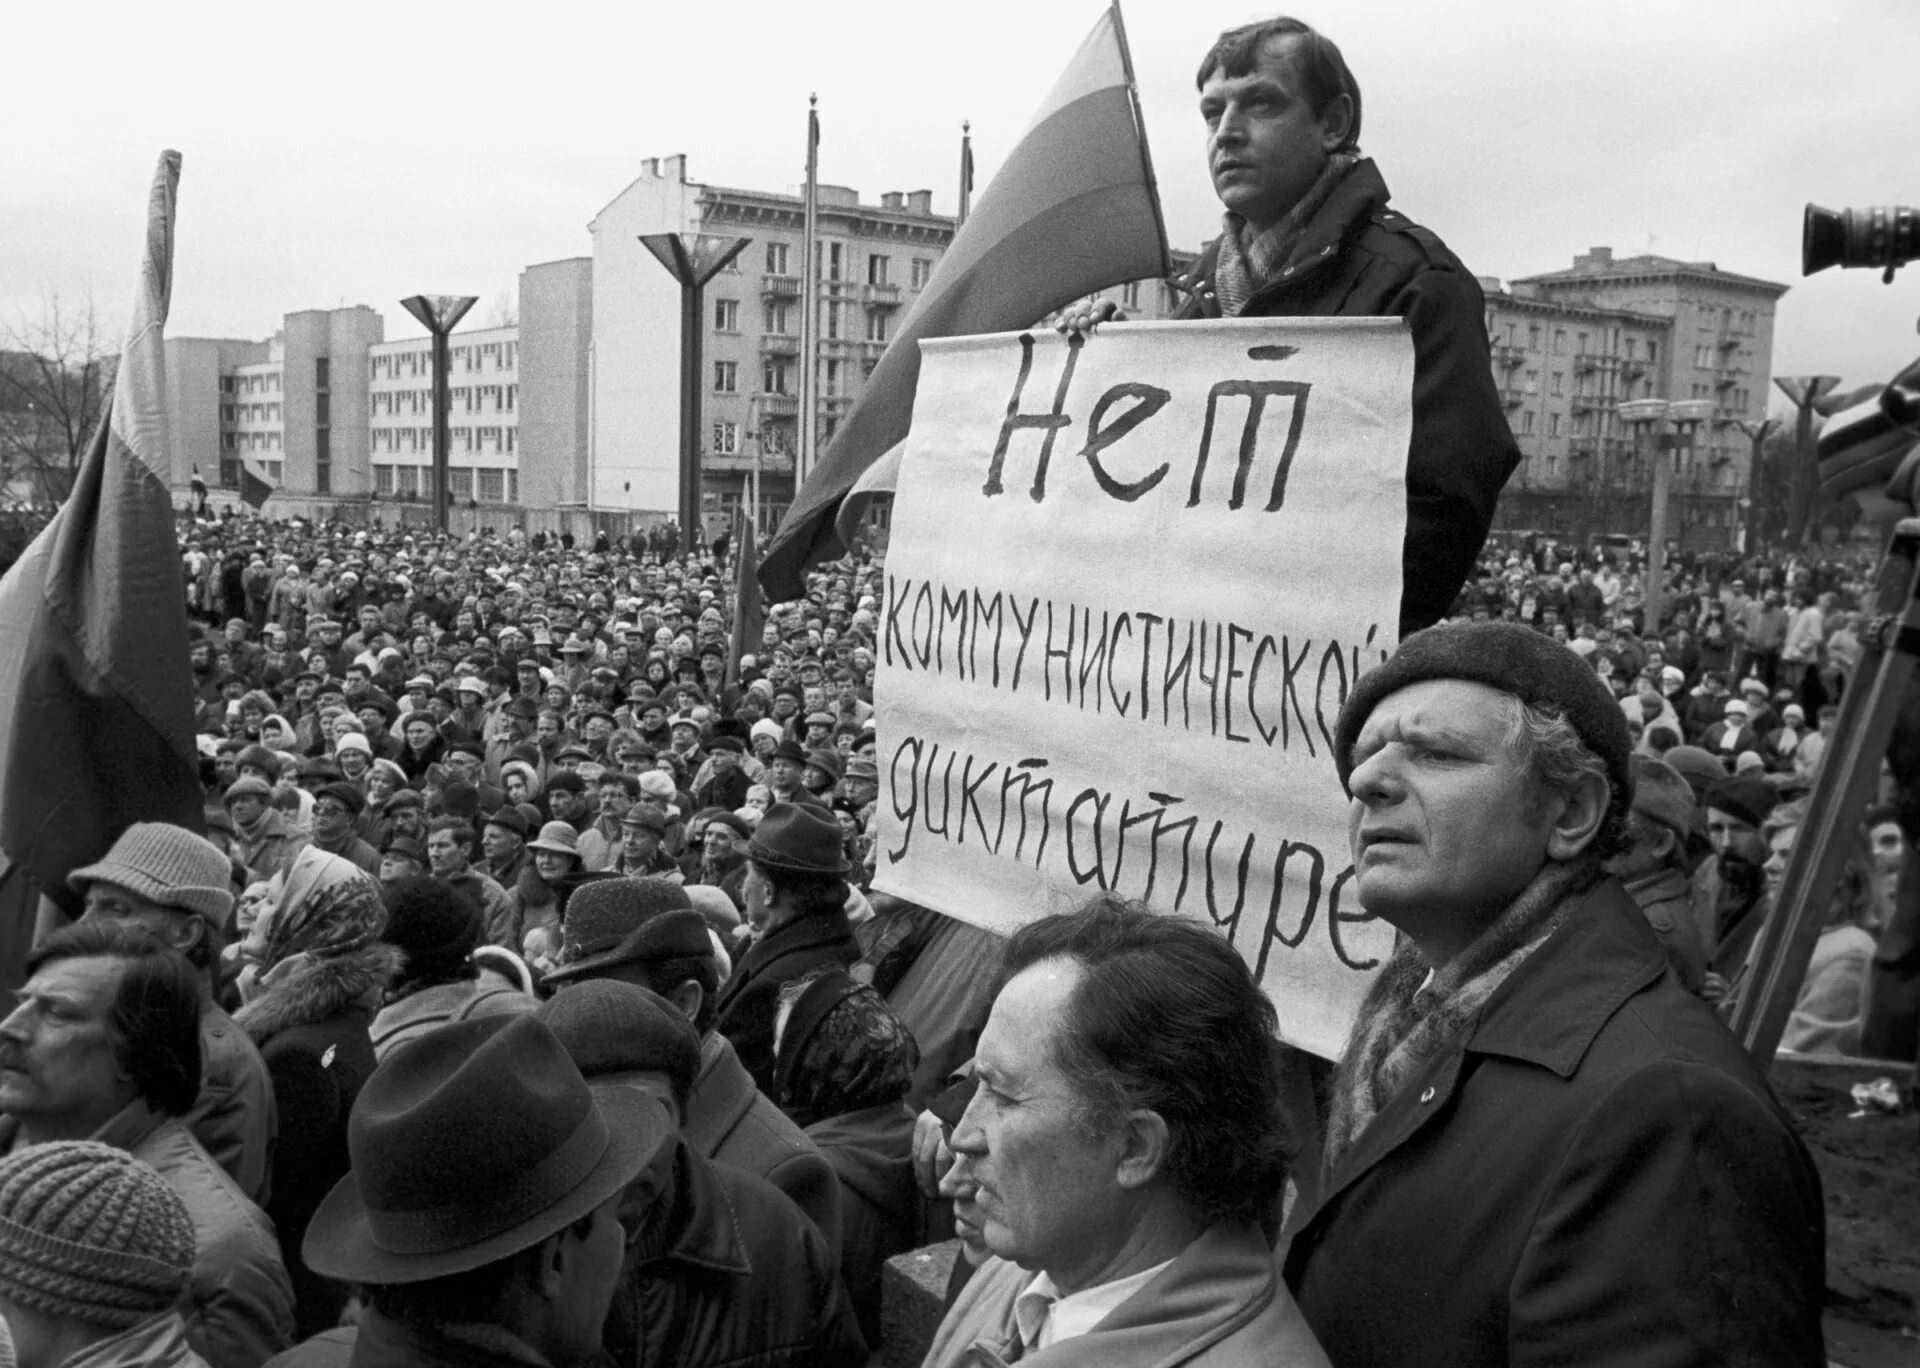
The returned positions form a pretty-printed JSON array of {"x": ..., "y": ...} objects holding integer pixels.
[{"x": 528, "y": 1000}]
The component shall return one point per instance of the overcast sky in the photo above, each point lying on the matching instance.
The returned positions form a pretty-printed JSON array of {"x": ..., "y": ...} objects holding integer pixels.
[{"x": 347, "y": 153}]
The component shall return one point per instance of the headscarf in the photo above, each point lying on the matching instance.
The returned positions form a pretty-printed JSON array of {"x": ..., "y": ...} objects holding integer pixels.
[
  {"x": 842, "y": 1050},
  {"x": 321, "y": 906}
]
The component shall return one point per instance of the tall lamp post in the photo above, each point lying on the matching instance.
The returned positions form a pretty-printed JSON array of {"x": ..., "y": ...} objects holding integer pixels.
[
  {"x": 1650, "y": 419},
  {"x": 438, "y": 314},
  {"x": 1756, "y": 433},
  {"x": 692, "y": 259},
  {"x": 1803, "y": 390}
]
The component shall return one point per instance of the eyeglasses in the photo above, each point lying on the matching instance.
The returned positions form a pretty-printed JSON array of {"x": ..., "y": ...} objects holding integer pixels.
[{"x": 330, "y": 809}]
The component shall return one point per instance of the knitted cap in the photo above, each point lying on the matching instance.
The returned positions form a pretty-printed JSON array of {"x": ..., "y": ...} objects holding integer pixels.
[
  {"x": 88, "y": 1233},
  {"x": 168, "y": 865}
]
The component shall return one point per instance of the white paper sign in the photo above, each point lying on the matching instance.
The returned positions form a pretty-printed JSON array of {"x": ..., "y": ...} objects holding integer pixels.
[{"x": 1129, "y": 583}]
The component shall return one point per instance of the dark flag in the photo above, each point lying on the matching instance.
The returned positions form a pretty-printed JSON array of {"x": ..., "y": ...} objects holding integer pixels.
[
  {"x": 96, "y": 699},
  {"x": 749, "y": 609},
  {"x": 256, "y": 483},
  {"x": 1072, "y": 210}
]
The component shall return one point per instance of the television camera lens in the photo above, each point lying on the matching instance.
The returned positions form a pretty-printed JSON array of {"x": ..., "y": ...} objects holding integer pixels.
[{"x": 1885, "y": 235}]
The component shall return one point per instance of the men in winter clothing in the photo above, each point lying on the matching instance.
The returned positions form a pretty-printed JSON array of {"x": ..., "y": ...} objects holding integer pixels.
[
  {"x": 1653, "y": 866},
  {"x": 1540, "y": 1148},
  {"x": 265, "y": 842},
  {"x": 449, "y": 854},
  {"x": 336, "y": 807}
]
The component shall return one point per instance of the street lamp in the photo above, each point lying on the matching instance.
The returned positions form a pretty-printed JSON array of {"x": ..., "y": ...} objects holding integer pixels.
[
  {"x": 692, "y": 259},
  {"x": 1649, "y": 419},
  {"x": 438, "y": 314},
  {"x": 1756, "y": 432},
  {"x": 1803, "y": 390}
]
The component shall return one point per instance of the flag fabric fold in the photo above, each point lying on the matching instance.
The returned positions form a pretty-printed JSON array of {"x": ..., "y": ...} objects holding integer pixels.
[
  {"x": 749, "y": 609},
  {"x": 1071, "y": 211},
  {"x": 96, "y": 698},
  {"x": 256, "y": 482}
]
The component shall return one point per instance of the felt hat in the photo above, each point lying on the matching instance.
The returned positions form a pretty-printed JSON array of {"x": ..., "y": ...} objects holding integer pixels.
[
  {"x": 557, "y": 837},
  {"x": 1661, "y": 794},
  {"x": 789, "y": 750},
  {"x": 645, "y": 815},
  {"x": 625, "y": 921},
  {"x": 478, "y": 1140},
  {"x": 510, "y": 817},
  {"x": 406, "y": 845},
  {"x": 346, "y": 795},
  {"x": 607, "y": 1026},
  {"x": 796, "y": 839},
  {"x": 826, "y": 761},
  {"x": 244, "y": 786},
  {"x": 1700, "y": 768}
]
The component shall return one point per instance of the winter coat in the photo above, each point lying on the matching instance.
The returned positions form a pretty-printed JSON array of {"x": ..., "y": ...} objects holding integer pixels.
[
  {"x": 733, "y": 1122},
  {"x": 271, "y": 846},
  {"x": 233, "y": 1118},
  {"x": 381, "y": 1342},
  {"x": 312, "y": 1025},
  {"x": 1590, "y": 1171},
  {"x": 1827, "y": 1014},
  {"x": 1220, "y": 1304},
  {"x": 355, "y": 852},
  {"x": 880, "y": 1206},
  {"x": 748, "y": 1000},
  {"x": 723, "y": 1269},
  {"x": 1358, "y": 258},
  {"x": 497, "y": 911},
  {"x": 158, "y": 1342},
  {"x": 1665, "y": 899},
  {"x": 408, "y": 1018},
  {"x": 238, "y": 1304}
]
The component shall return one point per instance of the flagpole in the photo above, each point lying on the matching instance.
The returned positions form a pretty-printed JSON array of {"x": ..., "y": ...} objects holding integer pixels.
[
  {"x": 809, "y": 288},
  {"x": 966, "y": 175},
  {"x": 1140, "y": 126}
]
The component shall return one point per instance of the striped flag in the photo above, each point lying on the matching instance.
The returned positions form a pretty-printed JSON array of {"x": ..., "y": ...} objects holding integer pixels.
[
  {"x": 749, "y": 609},
  {"x": 96, "y": 698},
  {"x": 1073, "y": 210},
  {"x": 256, "y": 482}
]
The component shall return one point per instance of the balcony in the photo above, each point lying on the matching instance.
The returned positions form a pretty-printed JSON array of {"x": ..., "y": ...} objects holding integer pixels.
[
  {"x": 1582, "y": 447},
  {"x": 1508, "y": 355},
  {"x": 778, "y": 344},
  {"x": 774, "y": 405},
  {"x": 780, "y": 287},
  {"x": 1513, "y": 396},
  {"x": 741, "y": 462},
  {"x": 1592, "y": 403},
  {"x": 881, "y": 296},
  {"x": 1594, "y": 361},
  {"x": 1724, "y": 378}
]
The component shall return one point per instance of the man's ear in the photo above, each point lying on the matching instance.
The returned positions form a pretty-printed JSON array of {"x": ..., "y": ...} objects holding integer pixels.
[
  {"x": 1145, "y": 1145},
  {"x": 687, "y": 997},
  {"x": 1336, "y": 123},
  {"x": 1580, "y": 817}
]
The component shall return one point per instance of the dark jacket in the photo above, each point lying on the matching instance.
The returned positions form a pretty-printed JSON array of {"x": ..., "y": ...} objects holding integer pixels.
[
  {"x": 749, "y": 999},
  {"x": 872, "y": 1155},
  {"x": 312, "y": 1029},
  {"x": 233, "y": 1116},
  {"x": 1358, "y": 258},
  {"x": 1592, "y": 1172},
  {"x": 730, "y": 1120},
  {"x": 722, "y": 1268}
]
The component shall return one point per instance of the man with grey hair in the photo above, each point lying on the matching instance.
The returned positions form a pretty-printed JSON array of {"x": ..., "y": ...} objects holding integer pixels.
[{"x": 1540, "y": 1147}]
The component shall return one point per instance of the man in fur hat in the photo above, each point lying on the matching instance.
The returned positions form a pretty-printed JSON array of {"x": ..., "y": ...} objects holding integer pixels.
[{"x": 1541, "y": 1148}]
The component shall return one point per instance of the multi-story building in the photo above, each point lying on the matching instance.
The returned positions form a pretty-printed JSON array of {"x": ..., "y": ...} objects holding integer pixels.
[
  {"x": 483, "y": 392},
  {"x": 1569, "y": 345}
]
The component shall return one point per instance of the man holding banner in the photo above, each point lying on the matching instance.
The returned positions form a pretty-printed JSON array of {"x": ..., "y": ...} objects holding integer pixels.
[{"x": 1308, "y": 234}]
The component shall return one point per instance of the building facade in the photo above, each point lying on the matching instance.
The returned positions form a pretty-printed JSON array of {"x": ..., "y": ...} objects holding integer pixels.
[
  {"x": 483, "y": 392},
  {"x": 1568, "y": 346}
]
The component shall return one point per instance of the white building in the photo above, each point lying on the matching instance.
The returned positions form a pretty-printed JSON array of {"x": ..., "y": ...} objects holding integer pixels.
[{"x": 483, "y": 417}]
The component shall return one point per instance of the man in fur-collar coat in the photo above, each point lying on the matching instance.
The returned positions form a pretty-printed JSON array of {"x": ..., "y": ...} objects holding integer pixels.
[{"x": 1541, "y": 1147}]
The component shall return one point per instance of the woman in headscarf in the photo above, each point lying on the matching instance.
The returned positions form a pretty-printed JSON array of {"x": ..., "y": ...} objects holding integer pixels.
[
  {"x": 315, "y": 974},
  {"x": 842, "y": 1065}
]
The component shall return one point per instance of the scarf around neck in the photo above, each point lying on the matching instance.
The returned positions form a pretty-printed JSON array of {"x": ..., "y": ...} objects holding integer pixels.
[
  {"x": 1249, "y": 262},
  {"x": 1409, "y": 1016}
]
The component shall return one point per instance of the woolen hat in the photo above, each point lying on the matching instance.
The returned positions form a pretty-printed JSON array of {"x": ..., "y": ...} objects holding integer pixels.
[
  {"x": 796, "y": 839},
  {"x": 478, "y": 1140},
  {"x": 352, "y": 741},
  {"x": 89, "y": 1233},
  {"x": 627, "y": 921},
  {"x": 436, "y": 933},
  {"x": 346, "y": 795},
  {"x": 402, "y": 798},
  {"x": 512, "y": 818},
  {"x": 1535, "y": 669},
  {"x": 168, "y": 865},
  {"x": 608, "y": 1027},
  {"x": 1751, "y": 800}
]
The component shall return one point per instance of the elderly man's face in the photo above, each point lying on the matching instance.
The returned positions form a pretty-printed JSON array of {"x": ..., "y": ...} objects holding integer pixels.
[
  {"x": 1049, "y": 1195},
  {"x": 409, "y": 820},
  {"x": 109, "y": 902},
  {"x": 1265, "y": 145},
  {"x": 640, "y": 841},
  {"x": 1446, "y": 824},
  {"x": 58, "y": 1049}
]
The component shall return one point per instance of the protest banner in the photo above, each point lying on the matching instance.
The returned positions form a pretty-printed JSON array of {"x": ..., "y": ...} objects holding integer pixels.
[{"x": 1132, "y": 577}]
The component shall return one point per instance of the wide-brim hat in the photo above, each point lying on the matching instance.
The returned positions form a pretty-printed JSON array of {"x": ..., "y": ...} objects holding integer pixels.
[
  {"x": 624, "y": 920},
  {"x": 797, "y": 839},
  {"x": 476, "y": 1142},
  {"x": 558, "y": 837}
]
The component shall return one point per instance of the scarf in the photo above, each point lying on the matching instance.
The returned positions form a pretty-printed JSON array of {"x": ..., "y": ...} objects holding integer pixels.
[
  {"x": 1409, "y": 1017},
  {"x": 322, "y": 905},
  {"x": 1244, "y": 268}
]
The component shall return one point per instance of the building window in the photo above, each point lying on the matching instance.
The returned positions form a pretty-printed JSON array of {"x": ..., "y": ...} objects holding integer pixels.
[
  {"x": 835, "y": 258},
  {"x": 726, "y": 315},
  {"x": 1130, "y": 295},
  {"x": 773, "y": 377},
  {"x": 512, "y": 397},
  {"x": 1653, "y": 353},
  {"x": 776, "y": 258},
  {"x": 726, "y": 439},
  {"x": 830, "y": 379},
  {"x": 833, "y": 321},
  {"x": 1559, "y": 341},
  {"x": 877, "y": 268},
  {"x": 922, "y": 272},
  {"x": 777, "y": 319},
  {"x": 513, "y": 486},
  {"x": 1559, "y": 383},
  {"x": 460, "y": 481},
  {"x": 408, "y": 482},
  {"x": 1526, "y": 423},
  {"x": 1553, "y": 425},
  {"x": 383, "y": 479},
  {"x": 726, "y": 377},
  {"x": 876, "y": 326},
  {"x": 493, "y": 485}
]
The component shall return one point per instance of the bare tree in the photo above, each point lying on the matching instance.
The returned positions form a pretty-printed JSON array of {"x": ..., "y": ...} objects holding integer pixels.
[
  {"x": 504, "y": 311},
  {"x": 56, "y": 382}
]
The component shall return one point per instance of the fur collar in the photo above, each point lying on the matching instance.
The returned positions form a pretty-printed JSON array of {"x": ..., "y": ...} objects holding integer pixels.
[
  {"x": 1408, "y": 1019},
  {"x": 309, "y": 990}
]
